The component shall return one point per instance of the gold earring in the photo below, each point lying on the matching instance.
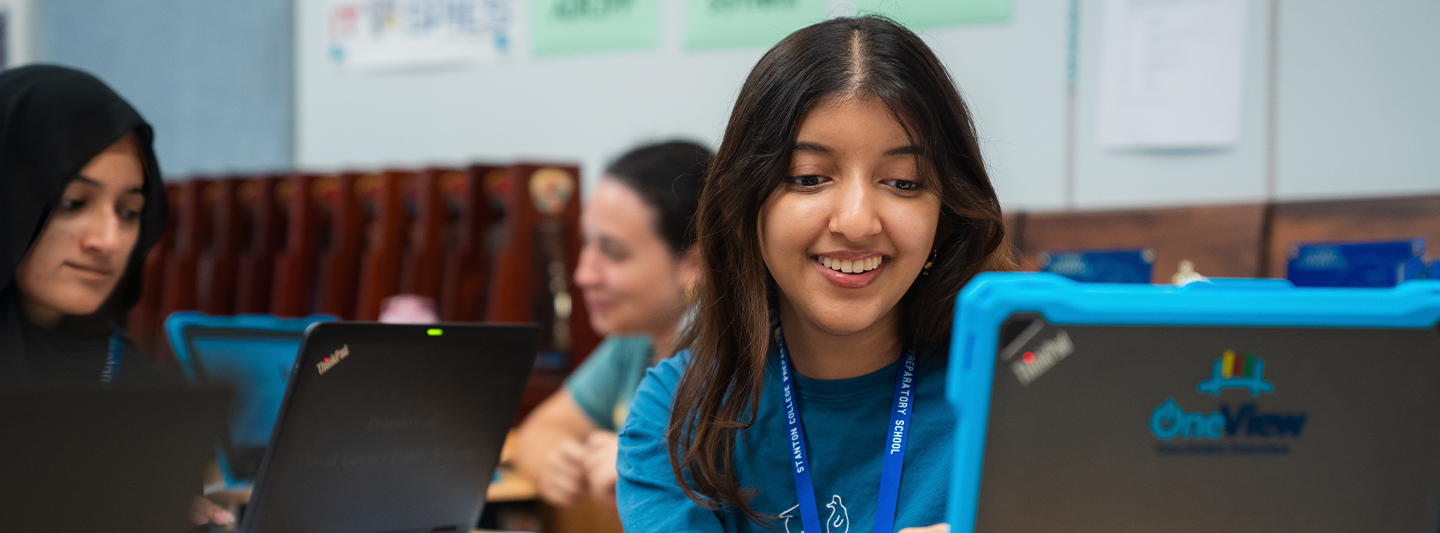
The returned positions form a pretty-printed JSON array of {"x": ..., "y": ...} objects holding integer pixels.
[
  {"x": 926, "y": 270},
  {"x": 692, "y": 293}
]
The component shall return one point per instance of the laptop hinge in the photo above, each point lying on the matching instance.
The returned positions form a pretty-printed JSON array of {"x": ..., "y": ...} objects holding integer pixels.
[{"x": 445, "y": 529}]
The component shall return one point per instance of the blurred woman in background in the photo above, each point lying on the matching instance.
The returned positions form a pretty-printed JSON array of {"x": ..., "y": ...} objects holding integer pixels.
[{"x": 638, "y": 271}]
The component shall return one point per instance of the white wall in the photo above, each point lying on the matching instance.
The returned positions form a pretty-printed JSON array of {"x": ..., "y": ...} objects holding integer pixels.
[
  {"x": 1357, "y": 111},
  {"x": 19, "y": 31},
  {"x": 1359, "y": 98},
  {"x": 589, "y": 109}
]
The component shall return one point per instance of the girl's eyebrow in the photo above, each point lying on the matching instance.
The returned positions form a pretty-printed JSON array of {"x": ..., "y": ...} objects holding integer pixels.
[
  {"x": 92, "y": 181},
  {"x": 88, "y": 181},
  {"x": 908, "y": 149},
  {"x": 812, "y": 147}
]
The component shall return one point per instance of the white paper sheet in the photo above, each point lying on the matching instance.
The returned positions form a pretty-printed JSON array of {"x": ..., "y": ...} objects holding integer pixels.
[
  {"x": 1172, "y": 73},
  {"x": 375, "y": 34}
]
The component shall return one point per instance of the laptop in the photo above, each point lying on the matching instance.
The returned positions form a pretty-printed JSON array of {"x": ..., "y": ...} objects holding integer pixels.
[
  {"x": 105, "y": 460},
  {"x": 252, "y": 355},
  {"x": 1233, "y": 405},
  {"x": 391, "y": 428}
]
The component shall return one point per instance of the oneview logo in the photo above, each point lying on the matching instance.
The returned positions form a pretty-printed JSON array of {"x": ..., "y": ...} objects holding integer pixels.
[
  {"x": 1231, "y": 372},
  {"x": 1170, "y": 421}
]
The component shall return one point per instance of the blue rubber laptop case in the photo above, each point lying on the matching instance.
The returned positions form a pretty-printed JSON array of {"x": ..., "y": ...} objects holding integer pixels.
[
  {"x": 1232, "y": 405},
  {"x": 250, "y": 354}
]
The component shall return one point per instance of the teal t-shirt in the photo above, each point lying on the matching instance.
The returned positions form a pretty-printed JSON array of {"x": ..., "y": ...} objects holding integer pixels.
[
  {"x": 846, "y": 425},
  {"x": 603, "y": 385}
]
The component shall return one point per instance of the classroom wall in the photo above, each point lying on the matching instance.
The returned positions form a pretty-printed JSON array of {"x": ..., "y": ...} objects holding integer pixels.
[
  {"x": 214, "y": 78},
  {"x": 1338, "y": 98},
  {"x": 589, "y": 109},
  {"x": 1359, "y": 98},
  {"x": 1352, "y": 85},
  {"x": 1106, "y": 177}
]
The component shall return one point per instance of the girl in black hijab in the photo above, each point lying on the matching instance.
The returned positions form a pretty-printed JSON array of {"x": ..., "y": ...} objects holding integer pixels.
[{"x": 82, "y": 202}]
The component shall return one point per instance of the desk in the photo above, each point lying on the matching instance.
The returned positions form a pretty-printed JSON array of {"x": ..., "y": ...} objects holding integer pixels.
[
  {"x": 510, "y": 501},
  {"x": 509, "y": 485}
]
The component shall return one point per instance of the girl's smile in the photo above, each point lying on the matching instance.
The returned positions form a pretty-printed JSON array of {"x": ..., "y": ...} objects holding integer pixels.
[{"x": 851, "y": 270}]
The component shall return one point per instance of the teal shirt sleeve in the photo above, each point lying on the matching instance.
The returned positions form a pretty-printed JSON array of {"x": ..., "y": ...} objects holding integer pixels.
[
  {"x": 646, "y": 494},
  {"x": 606, "y": 380}
]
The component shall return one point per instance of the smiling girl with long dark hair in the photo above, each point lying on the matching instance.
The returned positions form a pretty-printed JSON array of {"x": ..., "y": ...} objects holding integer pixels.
[{"x": 845, "y": 209}]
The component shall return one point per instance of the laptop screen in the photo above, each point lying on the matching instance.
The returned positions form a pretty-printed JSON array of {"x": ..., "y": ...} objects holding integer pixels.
[
  {"x": 256, "y": 365},
  {"x": 1185, "y": 428}
]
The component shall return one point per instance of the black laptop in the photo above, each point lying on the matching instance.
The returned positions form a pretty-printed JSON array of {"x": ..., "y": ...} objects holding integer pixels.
[
  {"x": 105, "y": 460},
  {"x": 391, "y": 428}
]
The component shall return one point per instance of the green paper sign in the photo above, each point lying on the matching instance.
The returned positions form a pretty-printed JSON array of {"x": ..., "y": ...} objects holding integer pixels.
[
  {"x": 565, "y": 27},
  {"x": 934, "y": 13},
  {"x": 712, "y": 24}
]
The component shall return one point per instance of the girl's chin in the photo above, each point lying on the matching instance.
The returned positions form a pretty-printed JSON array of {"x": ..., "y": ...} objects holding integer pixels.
[
  {"x": 606, "y": 325},
  {"x": 843, "y": 325},
  {"x": 79, "y": 306},
  {"x": 601, "y": 327}
]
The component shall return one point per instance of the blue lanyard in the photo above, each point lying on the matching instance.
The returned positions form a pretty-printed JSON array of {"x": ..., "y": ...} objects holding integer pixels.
[
  {"x": 894, "y": 462},
  {"x": 110, "y": 373}
]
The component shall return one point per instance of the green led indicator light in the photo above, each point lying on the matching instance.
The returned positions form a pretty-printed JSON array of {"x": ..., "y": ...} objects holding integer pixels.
[{"x": 435, "y": 332}]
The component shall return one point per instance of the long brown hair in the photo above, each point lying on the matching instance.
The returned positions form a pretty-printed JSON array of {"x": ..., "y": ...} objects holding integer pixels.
[{"x": 729, "y": 339}]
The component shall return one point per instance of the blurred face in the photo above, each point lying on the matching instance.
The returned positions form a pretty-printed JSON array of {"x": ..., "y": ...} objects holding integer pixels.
[
  {"x": 631, "y": 280},
  {"x": 81, "y": 253},
  {"x": 851, "y": 228}
]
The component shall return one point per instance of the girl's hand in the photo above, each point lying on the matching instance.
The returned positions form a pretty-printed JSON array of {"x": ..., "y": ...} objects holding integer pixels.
[
  {"x": 203, "y": 511},
  {"x": 601, "y": 449},
  {"x": 563, "y": 480},
  {"x": 937, "y": 528}
]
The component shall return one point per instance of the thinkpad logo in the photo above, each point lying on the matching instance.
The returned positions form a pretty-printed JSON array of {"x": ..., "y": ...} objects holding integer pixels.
[
  {"x": 335, "y": 357},
  {"x": 1034, "y": 363}
]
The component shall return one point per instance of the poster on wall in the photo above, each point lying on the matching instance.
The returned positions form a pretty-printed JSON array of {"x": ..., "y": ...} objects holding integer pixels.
[
  {"x": 938, "y": 13},
  {"x": 564, "y": 27},
  {"x": 712, "y": 24},
  {"x": 381, "y": 34},
  {"x": 1171, "y": 74}
]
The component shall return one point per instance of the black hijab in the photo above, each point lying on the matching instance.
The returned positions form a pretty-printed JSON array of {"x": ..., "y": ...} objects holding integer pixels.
[{"x": 53, "y": 120}]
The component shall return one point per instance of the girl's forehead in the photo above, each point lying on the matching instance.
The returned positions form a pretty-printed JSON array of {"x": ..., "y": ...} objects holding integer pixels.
[
  {"x": 618, "y": 211},
  {"x": 852, "y": 123},
  {"x": 875, "y": 108}
]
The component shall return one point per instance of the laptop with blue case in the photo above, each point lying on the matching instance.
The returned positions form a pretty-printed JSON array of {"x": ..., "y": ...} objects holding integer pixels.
[
  {"x": 1353, "y": 264},
  {"x": 1103, "y": 266},
  {"x": 251, "y": 354},
  {"x": 1232, "y": 405}
]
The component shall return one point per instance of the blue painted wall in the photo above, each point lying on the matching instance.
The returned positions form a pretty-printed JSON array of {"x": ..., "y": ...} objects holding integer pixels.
[{"x": 215, "y": 77}]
